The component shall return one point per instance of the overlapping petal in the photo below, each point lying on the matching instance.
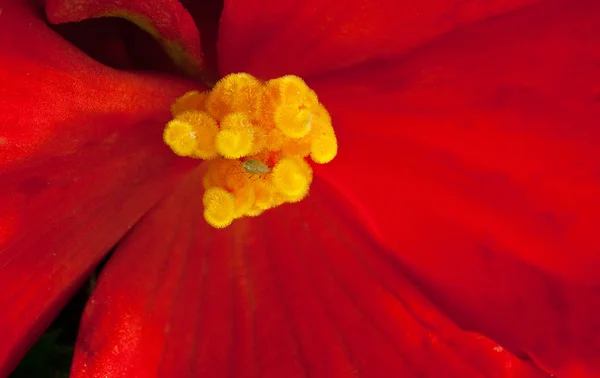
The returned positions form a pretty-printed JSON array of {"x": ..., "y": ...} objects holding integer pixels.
[
  {"x": 487, "y": 194},
  {"x": 312, "y": 36},
  {"x": 502, "y": 128},
  {"x": 81, "y": 160},
  {"x": 475, "y": 159},
  {"x": 299, "y": 291},
  {"x": 484, "y": 144},
  {"x": 206, "y": 15},
  {"x": 166, "y": 20}
]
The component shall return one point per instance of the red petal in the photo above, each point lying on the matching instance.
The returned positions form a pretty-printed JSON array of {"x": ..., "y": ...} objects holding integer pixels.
[
  {"x": 299, "y": 291},
  {"x": 206, "y": 14},
  {"x": 82, "y": 159},
  {"x": 314, "y": 36},
  {"x": 165, "y": 20},
  {"x": 476, "y": 159}
]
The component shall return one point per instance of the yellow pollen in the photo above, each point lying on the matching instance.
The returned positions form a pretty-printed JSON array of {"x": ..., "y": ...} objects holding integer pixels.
[
  {"x": 292, "y": 177},
  {"x": 236, "y": 137},
  {"x": 293, "y": 122},
  {"x": 234, "y": 93},
  {"x": 263, "y": 192},
  {"x": 244, "y": 200},
  {"x": 192, "y": 100},
  {"x": 256, "y": 137},
  {"x": 323, "y": 148},
  {"x": 192, "y": 133},
  {"x": 181, "y": 137},
  {"x": 219, "y": 207}
]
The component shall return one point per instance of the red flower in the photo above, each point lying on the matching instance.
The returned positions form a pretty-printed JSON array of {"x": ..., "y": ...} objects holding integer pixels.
[{"x": 454, "y": 234}]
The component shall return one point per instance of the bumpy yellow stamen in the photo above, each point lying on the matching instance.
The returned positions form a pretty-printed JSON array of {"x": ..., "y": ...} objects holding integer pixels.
[
  {"x": 234, "y": 93},
  {"x": 192, "y": 133},
  {"x": 245, "y": 198},
  {"x": 181, "y": 137},
  {"x": 219, "y": 207},
  {"x": 323, "y": 148},
  {"x": 255, "y": 137},
  {"x": 192, "y": 100},
  {"x": 292, "y": 177},
  {"x": 293, "y": 122},
  {"x": 236, "y": 137}
]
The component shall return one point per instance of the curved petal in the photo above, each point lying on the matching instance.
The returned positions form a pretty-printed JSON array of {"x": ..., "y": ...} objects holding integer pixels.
[
  {"x": 299, "y": 291},
  {"x": 166, "y": 20},
  {"x": 312, "y": 36},
  {"x": 206, "y": 15},
  {"x": 476, "y": 160},
  {"x": 81, "y": 159}
]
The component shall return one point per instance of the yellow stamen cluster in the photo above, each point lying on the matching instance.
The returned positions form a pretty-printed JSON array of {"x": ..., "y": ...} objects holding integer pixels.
[{"x": 255, "y": 137}]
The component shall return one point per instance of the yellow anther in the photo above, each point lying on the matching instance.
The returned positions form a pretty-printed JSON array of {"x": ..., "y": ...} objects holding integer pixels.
[
  {"x": 293, "y": 122},
  {"x": 236, "y": 178},
  {"x": 192, "y": 100},
  {"x": 192, "y": 133},
  {"x": 181, "y": 137},
  {"x": 292, "y": 90},
  {"x": 263, "y": 192},
  {"x": 274, "y": 140},
  {"x": 257, "y": 136},
  {"x": 219, "y": 206},
  {"x": 254, "y": 211},
  {"x": 323, "y": 148},
  {"x": 236, "y": 121},
  {"x": 234, "y": 144},
  {"x": 292, "y": 177},
  {"x": 296, "y": 148},
  {"x": 321, "y": 114},
  {"x": 227, "y": 173},
  {"x": 234, "y": 93},
  {"x": 244, "y": 200},
  {"x": 216, "y": 173},
  {"x": 236, "y": 138}
]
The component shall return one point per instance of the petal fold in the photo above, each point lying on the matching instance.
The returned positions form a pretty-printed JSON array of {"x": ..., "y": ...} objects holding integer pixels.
[
  {"x": 81, "y": 160},
  {"x": 298, "y": 291},
  {"x": 166, "y": 20}
]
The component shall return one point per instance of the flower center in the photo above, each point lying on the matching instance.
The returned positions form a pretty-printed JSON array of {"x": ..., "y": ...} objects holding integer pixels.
[{"x": 256, "y": 137}]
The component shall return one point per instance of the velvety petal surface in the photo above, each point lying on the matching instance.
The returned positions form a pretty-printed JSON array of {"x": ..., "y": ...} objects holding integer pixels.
[
  {"x": 166, "y": 20},
  {"x": 314, "y": 36},
  {"x": 206, "y": 15},
  {"x": 301, "y": 290},
  {"x": 81, "y": 160},
  {"x": 476, "y": 160}
]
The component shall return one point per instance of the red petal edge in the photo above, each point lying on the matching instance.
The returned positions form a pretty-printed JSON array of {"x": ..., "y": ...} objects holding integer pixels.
[
  {"x": 165, "y": 20},
  {"x": 476, "y": 160},
  {"x": 82, "y": 159},
  {"x": 298, "y": 291},
  {"x": 314, "y": 37}
]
